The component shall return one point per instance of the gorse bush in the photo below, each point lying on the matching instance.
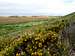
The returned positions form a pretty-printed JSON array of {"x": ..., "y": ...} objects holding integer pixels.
[{"x": 35, "y": 44}]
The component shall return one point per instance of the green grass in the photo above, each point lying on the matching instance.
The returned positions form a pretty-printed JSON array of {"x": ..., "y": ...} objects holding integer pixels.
[{"x": 8, "y": 29}]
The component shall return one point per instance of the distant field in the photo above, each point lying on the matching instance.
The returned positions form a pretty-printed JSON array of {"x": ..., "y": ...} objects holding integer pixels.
[{"x": 21, "y": 19}]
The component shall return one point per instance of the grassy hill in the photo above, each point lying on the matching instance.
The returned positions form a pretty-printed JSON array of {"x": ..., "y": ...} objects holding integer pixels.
[{"x": 42, "y": 38}]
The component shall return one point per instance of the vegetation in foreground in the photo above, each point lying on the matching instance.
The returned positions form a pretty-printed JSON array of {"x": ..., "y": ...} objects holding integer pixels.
[{"x": 41, "y": 40}]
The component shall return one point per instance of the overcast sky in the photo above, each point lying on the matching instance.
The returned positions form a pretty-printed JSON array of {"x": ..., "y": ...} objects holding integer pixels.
[{"x": 36, "y": 7}]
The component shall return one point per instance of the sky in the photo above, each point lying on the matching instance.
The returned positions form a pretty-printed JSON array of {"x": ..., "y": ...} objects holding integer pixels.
[{"x": 36, "y": 7}]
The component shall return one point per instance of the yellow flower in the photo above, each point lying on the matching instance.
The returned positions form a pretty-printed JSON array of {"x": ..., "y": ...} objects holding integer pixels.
[
  {"x": 48, "y": 52},
  {"x": 40, "y": 44},
  {"x": 32, "y": 53},
  {"x": 35, "y": 53},
  {"x": 48, "y": 49},
  {"x": 54, "y": 34},
  {"x": 40, "y": 54},
  {"x": 17, "y": 54},
  {"x": 25, "y": 39},
  {"x": 36, "y": 42},
  {"x": 37, "y": 38},
  {"x": 30, "y": 49},
  {"x": 54, "y": 55}
]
